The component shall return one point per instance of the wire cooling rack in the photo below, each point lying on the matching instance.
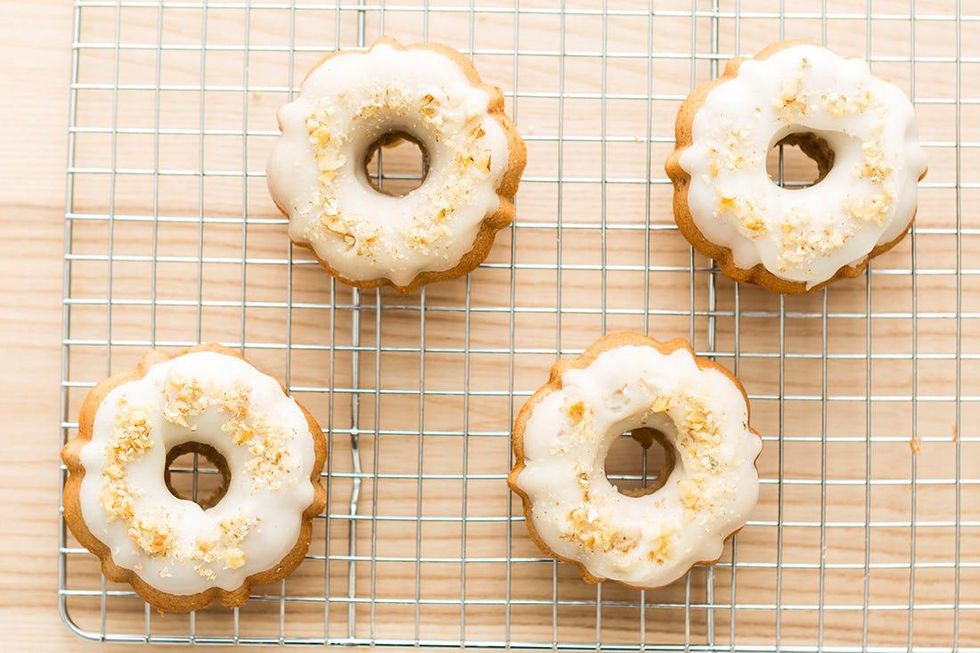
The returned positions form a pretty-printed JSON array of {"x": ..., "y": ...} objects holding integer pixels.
[{"x": 867, "y": 534}]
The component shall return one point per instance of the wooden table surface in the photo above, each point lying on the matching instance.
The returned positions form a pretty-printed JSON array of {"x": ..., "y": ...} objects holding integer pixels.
[{"x": 35, "y": 44}]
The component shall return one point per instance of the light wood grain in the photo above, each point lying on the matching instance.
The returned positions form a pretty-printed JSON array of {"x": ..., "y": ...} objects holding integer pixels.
[{"x": 38, "y": 36}]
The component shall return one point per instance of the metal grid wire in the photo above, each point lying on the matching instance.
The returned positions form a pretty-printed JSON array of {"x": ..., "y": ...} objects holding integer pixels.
[{"x": 866, "y": 534}]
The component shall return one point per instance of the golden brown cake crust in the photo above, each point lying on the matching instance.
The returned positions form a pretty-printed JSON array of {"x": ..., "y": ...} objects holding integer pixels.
[
  {"x": 506, "y": 190},
  {"x": 554, "y": 384},
  {"x": 757, "y": 274},
  {"x": 162, "y": 600}
]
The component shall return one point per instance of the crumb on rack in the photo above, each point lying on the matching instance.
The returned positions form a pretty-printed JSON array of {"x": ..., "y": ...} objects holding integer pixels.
[{"x": 915, "y": 444}]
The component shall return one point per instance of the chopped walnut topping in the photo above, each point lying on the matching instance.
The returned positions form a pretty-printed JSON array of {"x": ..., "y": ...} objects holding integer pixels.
[
  {"x": 690, "y": 494},
  {"x": 223, "y": 546},
  {"x": 316, "y": 125},
  {"x": 362, "y": 237},
  {"x": 592, "y": 532},
  {"x": 359, "y": 236},
  {"x": 131, "y": 438},
  {"x": 876, "y": 166},
  {"x": 698, "y": 494},
  {"x": 326, "y": 148},
  {"x": 236, "y": 400},
  {"x": 745, "y": 212},
  {"x": 661, "y": 404},
  {"x": 698, "y": 435},
  {"x": 662, "y": 546},
  {"x": 700, "y": 427},
  {"x": 266, "y": 442},
  {"x": 580, "y": 415},
  {"x": 428, "y": 106},
  {"x": 204, "y": 549},
  {"x": 791, "y": 103},
  {"x": 755, "y": 225},
  {"x": 234, "y": 529},
  {"x": 182, "y": 398},
  {"x": 206, "y": 572},
  {"x": 874, "y": 209},
  {"x": 483, "y": 162},
  {"x": 840, "y": 104},
  {"x": 577, "y": 411},
  {"x": 727, "y": 151},
  {"x": 154, "y": 535},
  {"x": 426, "y": 231},
  {"x": 234, "y": 558},
  {"x": 801, "y": 243},
  {"x": 735, "y": 136}
]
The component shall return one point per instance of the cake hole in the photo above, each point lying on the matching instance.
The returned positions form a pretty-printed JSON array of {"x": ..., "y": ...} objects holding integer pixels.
[
  {"x": 806, "y": 160},
  {"x": 638, "y": 462},
  {"x": 197, "y": 472},
  {"x": 396, "y": 164}
]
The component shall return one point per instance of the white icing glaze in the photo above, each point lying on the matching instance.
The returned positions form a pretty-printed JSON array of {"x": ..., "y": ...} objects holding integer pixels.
[
  {"x": 267, "y": 507},
  {"x": 316, "y": 170},
  {"x": 644, "y": 541},
  {"x": 803, "y": 235}
]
